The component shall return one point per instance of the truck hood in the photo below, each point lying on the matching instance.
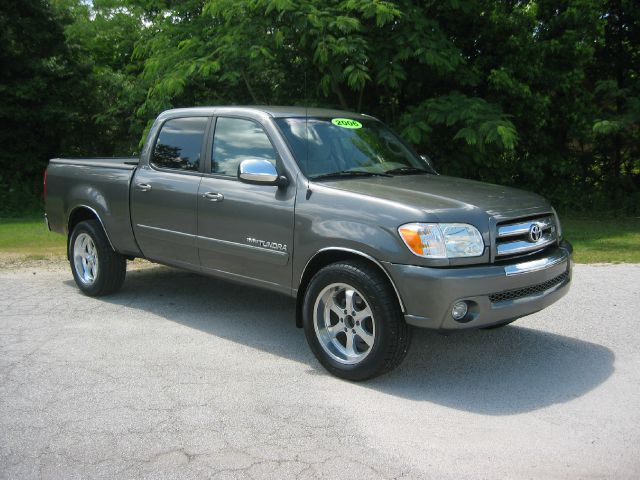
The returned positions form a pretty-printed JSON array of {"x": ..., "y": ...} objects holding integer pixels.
[{"x": 439, "y": 193}]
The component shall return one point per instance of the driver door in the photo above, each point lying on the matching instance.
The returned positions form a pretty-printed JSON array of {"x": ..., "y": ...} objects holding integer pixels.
[{"x": 244, "y": 231}]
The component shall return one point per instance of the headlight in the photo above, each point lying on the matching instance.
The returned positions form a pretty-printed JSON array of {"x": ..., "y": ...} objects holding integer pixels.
[{"x": 442, "y": 240}]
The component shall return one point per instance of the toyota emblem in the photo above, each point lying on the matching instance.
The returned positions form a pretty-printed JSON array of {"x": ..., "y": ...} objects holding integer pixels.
[{"x": 535, "y": 232}]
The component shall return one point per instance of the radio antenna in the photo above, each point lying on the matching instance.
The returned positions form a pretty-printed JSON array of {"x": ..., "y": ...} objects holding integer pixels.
[{"x": 306, "y": 133}]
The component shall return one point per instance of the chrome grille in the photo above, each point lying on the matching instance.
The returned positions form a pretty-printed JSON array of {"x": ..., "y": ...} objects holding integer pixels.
[
  {"x": 515, "y": 237},
  {"x": 528, "y": 291}
]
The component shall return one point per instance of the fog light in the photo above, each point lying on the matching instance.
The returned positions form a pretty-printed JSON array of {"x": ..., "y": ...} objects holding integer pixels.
[{"x": 459, "y": 310}]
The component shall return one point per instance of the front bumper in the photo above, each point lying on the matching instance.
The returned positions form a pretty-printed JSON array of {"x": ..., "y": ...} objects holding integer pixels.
[{"x": 494, "y": 293}]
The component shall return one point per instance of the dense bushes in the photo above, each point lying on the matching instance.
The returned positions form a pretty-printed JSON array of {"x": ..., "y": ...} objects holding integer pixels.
[{"x": 540, "y": 94}]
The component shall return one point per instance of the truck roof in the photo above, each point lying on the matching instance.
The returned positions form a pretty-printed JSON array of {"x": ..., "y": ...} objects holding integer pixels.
[{"x": 273, "y": 111}]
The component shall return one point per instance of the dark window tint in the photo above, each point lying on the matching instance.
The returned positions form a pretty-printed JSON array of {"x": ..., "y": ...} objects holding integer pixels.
[
  {"x": 180, "y": 143},
  {"x": 237, "y": 140}
]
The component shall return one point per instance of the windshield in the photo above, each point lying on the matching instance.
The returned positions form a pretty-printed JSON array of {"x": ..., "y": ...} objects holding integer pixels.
[{"x": 326, "y": 146}]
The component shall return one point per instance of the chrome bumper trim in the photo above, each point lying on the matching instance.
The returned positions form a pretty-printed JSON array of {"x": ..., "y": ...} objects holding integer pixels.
[{"x": 535, "y": 265}]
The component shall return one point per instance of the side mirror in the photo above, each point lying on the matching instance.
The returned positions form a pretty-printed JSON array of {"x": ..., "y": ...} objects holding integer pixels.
[
  {"x": 428, "y": 161},
  {"x": 260, "y": 172}
]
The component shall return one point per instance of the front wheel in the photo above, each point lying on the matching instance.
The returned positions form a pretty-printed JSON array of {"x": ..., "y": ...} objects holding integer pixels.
[
  {"x": 353, "y": 322},
  {"x": 97, "y": 269}
]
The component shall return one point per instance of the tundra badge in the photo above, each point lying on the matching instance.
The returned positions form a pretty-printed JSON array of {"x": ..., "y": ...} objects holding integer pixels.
[{"x": 272, "y": 245}]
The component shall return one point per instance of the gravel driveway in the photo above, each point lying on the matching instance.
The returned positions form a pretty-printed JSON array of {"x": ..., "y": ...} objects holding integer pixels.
[{"x": 182, "y": 376}]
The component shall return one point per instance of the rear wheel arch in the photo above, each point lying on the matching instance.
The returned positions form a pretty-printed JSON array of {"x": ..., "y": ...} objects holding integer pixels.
[
  {"x": 79, "y": 214},
  {"x": 331, "y": 255}
]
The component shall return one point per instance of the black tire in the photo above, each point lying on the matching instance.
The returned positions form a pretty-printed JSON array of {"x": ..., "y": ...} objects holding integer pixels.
[
  {"x": 111, "y": 266},
  {"x": 391, "y": 334}
]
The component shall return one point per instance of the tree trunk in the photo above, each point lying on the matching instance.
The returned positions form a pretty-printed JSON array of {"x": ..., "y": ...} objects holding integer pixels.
[
  {"x": 336, "y": 88},
  {"x": 249, "y": 88},
  {"x": 360, "y": 94}
]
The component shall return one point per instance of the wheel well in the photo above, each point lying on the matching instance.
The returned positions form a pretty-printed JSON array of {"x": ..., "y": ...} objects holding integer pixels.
[
  {"x": 328, "y": 257},
  {"x": 79, "y": 214}
]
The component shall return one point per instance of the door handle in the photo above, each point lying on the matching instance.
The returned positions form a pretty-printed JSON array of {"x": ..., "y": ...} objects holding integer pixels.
[
  {"x": 213, "y": 196},
  {"x": 145, "y": 187}
]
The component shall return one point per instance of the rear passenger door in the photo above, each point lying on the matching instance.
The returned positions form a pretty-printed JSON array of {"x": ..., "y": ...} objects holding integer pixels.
[
  {"x": 244, "y": 231},
  {"x": 164, "y": 196}
]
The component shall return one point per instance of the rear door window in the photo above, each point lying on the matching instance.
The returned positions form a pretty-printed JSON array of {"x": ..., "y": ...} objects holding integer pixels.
[{"x": 179, "y": 144}]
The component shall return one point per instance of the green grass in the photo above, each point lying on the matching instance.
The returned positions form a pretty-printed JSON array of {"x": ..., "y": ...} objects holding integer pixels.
[
  {"x": 29, "y": 237},
  {"x": 610, "y": 240}
]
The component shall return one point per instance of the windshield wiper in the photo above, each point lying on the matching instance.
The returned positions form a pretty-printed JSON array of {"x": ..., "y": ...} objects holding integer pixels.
[
  {"x": 406, "y": 171},
  {"x": 350, "y": 173}
]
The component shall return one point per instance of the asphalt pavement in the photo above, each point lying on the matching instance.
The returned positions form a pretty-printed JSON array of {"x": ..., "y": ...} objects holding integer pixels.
[{"x": 183, "y": 376}]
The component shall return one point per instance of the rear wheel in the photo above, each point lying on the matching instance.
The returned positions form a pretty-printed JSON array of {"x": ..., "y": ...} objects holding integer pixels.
[
  {"x": 353, "y": 322},
  {"x": 96, "y": 267}
]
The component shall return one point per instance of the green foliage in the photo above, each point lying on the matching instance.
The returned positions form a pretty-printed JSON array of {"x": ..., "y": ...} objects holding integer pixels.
[
  {"x": 543, "y": 95},
  {"x": 36, "y": 71},
  {"x": 480, "y": 123},
  {"x": 19, "y": 198},
  {"x": 69, "y": 88}
]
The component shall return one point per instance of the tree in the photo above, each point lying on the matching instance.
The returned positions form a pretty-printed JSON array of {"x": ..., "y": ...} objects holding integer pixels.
[
  {"x": 37, "y": 72},
  {"x": 541, "y": 94}
]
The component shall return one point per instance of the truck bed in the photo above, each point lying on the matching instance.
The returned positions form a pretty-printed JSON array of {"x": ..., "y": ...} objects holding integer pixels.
[{"x": 100, "y": 185}]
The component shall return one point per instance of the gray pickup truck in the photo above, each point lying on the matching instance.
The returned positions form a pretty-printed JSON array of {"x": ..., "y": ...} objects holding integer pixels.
[{"x": 329, "y": 207}]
